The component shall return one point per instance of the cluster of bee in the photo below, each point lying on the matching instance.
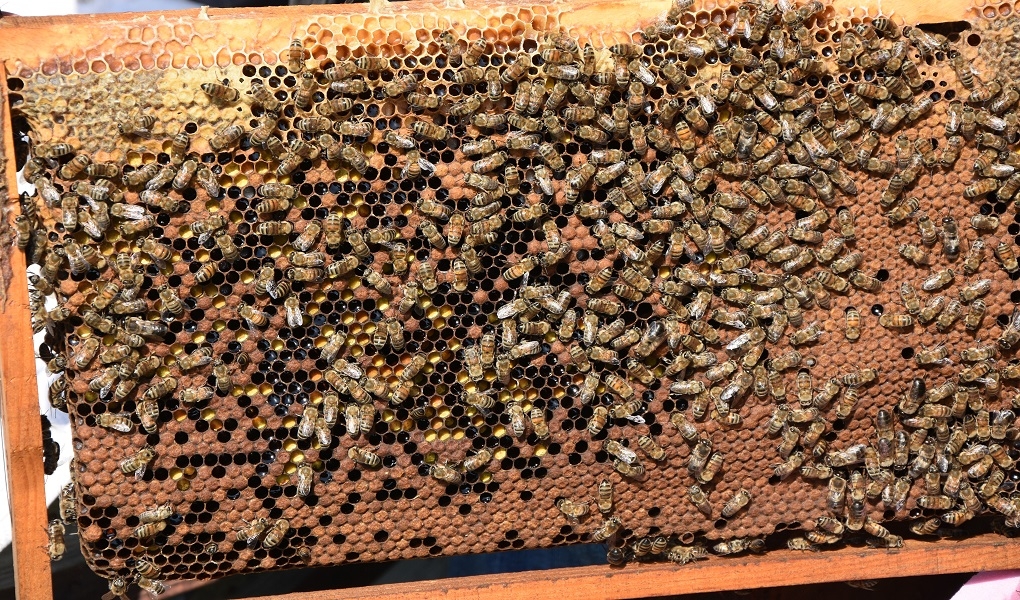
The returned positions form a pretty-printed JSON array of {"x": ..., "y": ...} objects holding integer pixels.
[
  {"x": 57, "y": 528},
  {"x": 771, "y": 152},
  {"x": 51, "y": 449},
  {"x": 677, "y": 179}
]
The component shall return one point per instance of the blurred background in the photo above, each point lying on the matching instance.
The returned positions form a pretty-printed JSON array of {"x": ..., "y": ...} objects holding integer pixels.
[
  {"x": 72, "y": 580},
  {"x": 65, "y": 7}
]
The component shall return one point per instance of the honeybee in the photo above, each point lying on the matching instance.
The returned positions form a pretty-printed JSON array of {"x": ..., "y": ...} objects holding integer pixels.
[
  {"x": 252, "y": 531},
  {"x": 929, "y": 311},
  {"x": 377, "y": 281},
  {"x": 154, "y": 515},
  {"x": 198, "y": 358},
  {"x": 306, "y": 426},
  {"x": 115, "y": 422},
  {"x": 86, "y": 352},
  {"x": 738, "y": 545},
  {"x": 364, "y": 457},
  {"x": 76, "y": 166},
  {"x": 414, "y": 99},
  {"x": 835, "y": 499},
  {"x": 148, "y": 412},
  {"x": 1007, "y": 257},
  {"x": 148, "y": 530},
  {"x": 477, "y": 461},
  {"x": 171, "y": 301},
  {"x": 446, "y": 474},
  {"x": 975, "y": 313},
  {"x": 951, "y": 151},
  {"x": 371, "y": 63},
  {"x": 895, "y": 320},
  {"x": 574, "y": 511},
  {"x": 809, "y": 334},
  {"x": 355, "y": 158},
  {"x": 538, "y": 423},
  {"x": 23, "y": 226},
  {"x": 160, "y": 388},
  {"x": 430, "y": 131},
  {"x": 147, "y": 569},
  {"x": 1009, "y": 188},
  {"x": 355, "y": 129},
  {"x": 67, "y": 508},
  {"x": 915, "y": 254},
  {"x": 276, "y": 532},
  {"x": 792, "y": 463},
  {"x": 138, "y": 462},
  {"x": 598, "y": 420},
  {"x": 226, "y": 137},
  {"x": 984, "y": 222},
  {"x": 939, "y": 355},
  {"x": 402, "y": 142},
  {"x": 352, "y": 420},
  {"x": 926, "y": 527},
  {"x": 159, "y": 253},
  {"x": 136, "y": 126},
  {"x": 515, "y": 69},
  {"x": 651, "y": 448},
  {"x": 938, "y": 281},
  {"x": 606, "y": 530},
  {"x": 256, "y": 319},
  {"x": 975, "y": 289},
  {"x": 621, "y": 452},
  {"x": 635, "y": 471},
  {"x": 739, "y": 500},
  {"x": 150, "y": 585},
  {"x": 323, "y": 434}
]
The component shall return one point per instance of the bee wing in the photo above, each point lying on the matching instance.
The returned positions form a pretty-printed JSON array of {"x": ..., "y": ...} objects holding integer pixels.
[
  {"x": 509, "y": 310},
  {"x": 426, "y": 165},
  {"x": 105, "y": 391},
  {"x": 1015, "y": 320},
  {"x": 738, "y": 341},
  {"x": 707, "y": 105}
]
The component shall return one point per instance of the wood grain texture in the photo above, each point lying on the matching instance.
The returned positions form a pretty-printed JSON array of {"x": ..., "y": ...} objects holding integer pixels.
[
  {"x": 9, "y": 176},
  {"x": 19, "y": 406},
  {"x": 777, "y": 568}
]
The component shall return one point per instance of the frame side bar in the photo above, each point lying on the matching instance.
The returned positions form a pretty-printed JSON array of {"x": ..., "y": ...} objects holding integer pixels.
[{"x": 19, "y": 402}]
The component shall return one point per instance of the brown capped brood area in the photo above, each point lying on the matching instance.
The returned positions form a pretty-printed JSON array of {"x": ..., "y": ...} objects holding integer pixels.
[{"x": 400, "y": 288}]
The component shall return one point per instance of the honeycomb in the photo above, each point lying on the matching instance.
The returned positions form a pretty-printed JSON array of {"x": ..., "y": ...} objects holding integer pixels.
[{"x": 416, "y": 285}]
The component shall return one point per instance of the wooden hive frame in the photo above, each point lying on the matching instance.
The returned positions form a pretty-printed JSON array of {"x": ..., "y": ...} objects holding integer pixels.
[{"x": 19, "y": 402}]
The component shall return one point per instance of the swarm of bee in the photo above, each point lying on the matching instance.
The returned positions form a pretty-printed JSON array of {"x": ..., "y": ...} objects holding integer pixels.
[{"x": 723, "y": 209}]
